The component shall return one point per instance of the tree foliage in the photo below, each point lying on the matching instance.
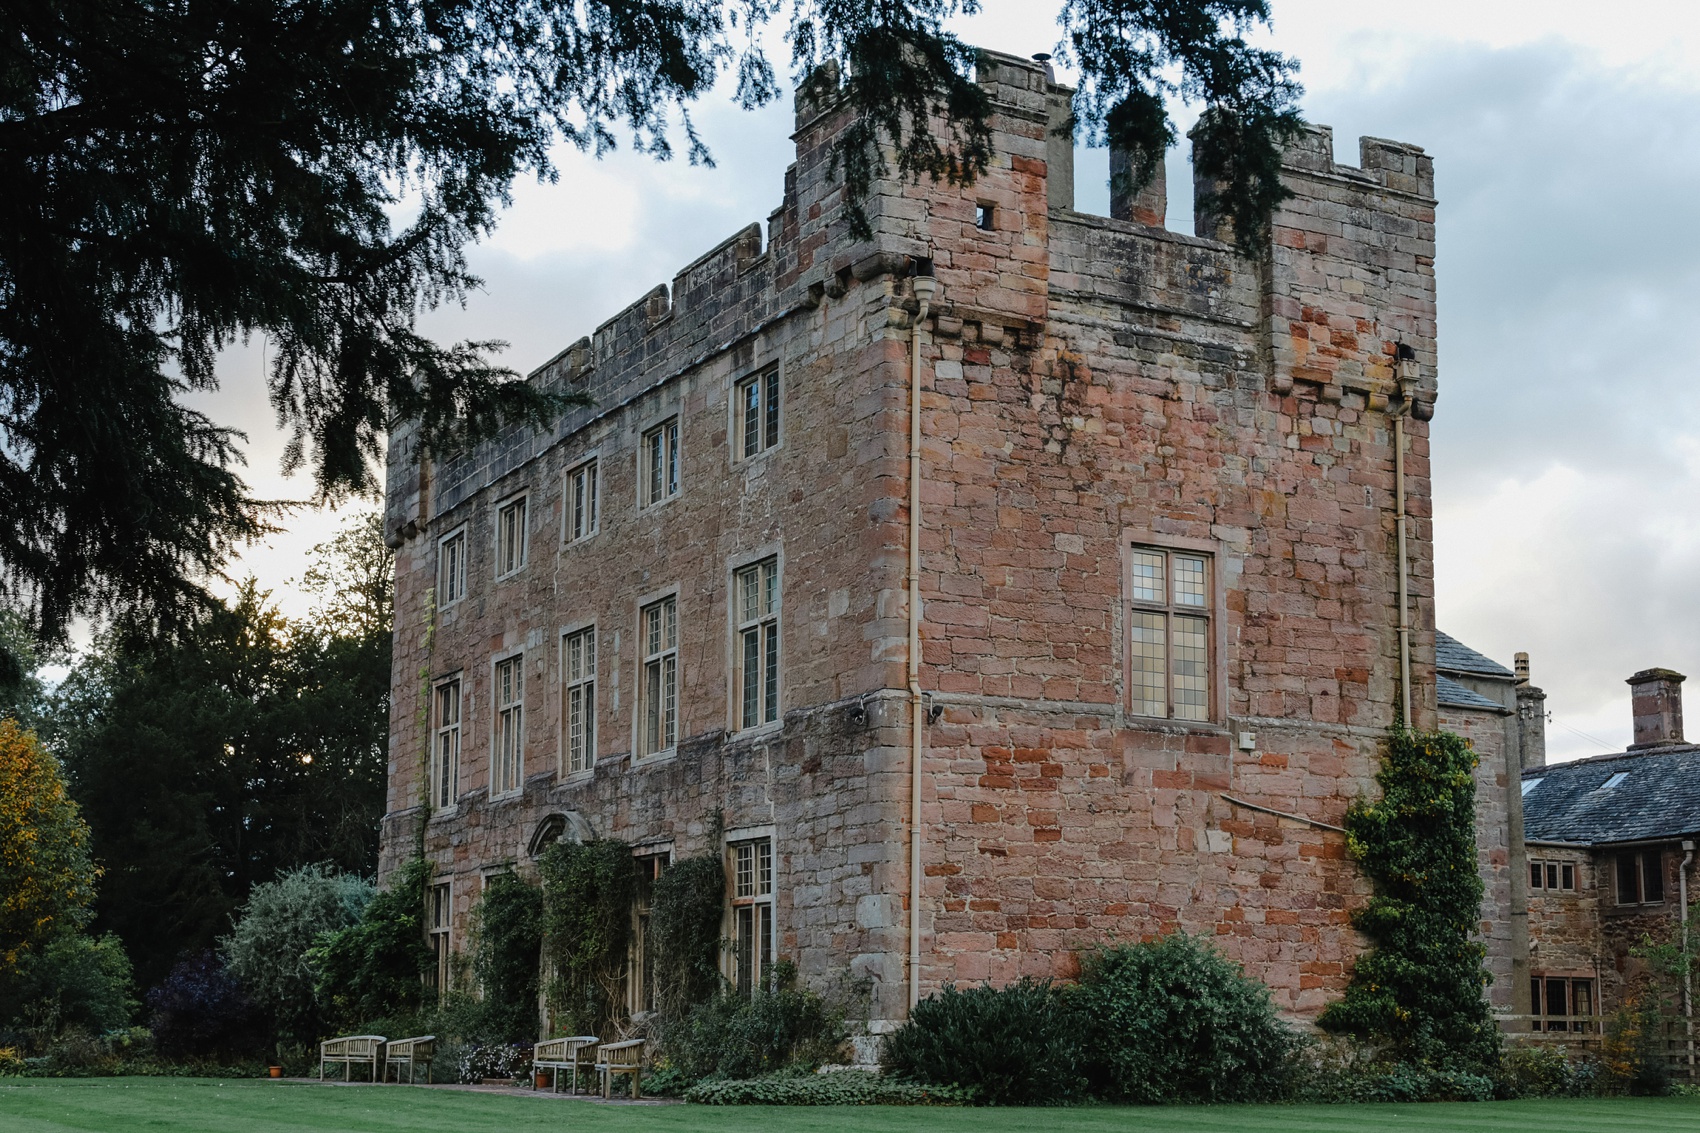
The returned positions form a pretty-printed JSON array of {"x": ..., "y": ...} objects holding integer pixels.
[
  {"x": 1419, "y": 988},
  {"x": 378, "y": 965},
  {"x": 276, "y": 929},
  {"x": 208, "y": 762},
  {"x": 46, "y": 877},
  {"x": 184, "y": 176}
]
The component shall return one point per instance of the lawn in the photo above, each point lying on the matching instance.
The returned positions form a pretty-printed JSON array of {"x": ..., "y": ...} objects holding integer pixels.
[{"x": 209, "y": 1106}]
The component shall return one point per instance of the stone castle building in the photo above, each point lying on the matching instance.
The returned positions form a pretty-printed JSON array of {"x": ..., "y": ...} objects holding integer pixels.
[{"x": 1118, "y": 609}]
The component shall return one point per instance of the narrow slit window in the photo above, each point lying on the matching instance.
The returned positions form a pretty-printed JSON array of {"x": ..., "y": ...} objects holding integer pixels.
[
  {"x": 1169, "y": 634},
  {"x": 578, "y": 698},
  {"x": 985, "y": 217},
  {"x": 755, "y": 591},
  {"x": 659, "y": 716}
]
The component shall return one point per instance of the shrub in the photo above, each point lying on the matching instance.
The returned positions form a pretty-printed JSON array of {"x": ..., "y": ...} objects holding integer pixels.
[
  {"x": 199, "y": 1009},
  {"x": 738, "y": 1036},
  {"x": 377, "y": 966},
  {"x": 845, "y": 1087},
  {"x": 508, "y": 940},
  {"x": 1419, "y": 988},
  {"x": 475, "y": 1062},
  {"x": 276, "y": 929},
  {"x": 1535, "y": 1070},
  {"x": 588, "y": 890},
  {"x": 684, "y": 931},
  {"x": 1630, "y": 1053},
  {"x": 1175, "y": 1020},
  {"x": 75, "y": 981},
  {"x": 1017, "y": 1045}
]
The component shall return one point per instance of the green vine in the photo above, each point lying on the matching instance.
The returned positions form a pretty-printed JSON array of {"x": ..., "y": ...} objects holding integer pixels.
[
  {"x": 508, "y": 939},
  {"x": 684, "y": 931},
  {"x": 1419, "y": 988},
  {"x": 588, "y": 893}
]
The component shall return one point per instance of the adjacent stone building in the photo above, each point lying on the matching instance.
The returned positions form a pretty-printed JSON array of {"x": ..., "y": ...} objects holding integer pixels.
[
  {"x": 1154, "y": 553},
  {"x": 1610, "y": 857}
]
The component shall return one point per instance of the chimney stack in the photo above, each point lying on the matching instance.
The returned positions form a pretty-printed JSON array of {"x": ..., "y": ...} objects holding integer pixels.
[
  {"x": 1521, "y": 664},
  {"x": 1531, "y": 718},
  {"x": 1656, "y": 703}
]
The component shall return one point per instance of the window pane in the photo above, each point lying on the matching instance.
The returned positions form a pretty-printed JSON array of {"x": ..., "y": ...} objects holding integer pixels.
[
  {"x": 653, "y": 491},
  {"x": 1192, "y": 668},
  {"x": 672, "y": 434},
  {"x": 1189, "y": 580},
  {"x": 1552, "y": 875},
  {"x": 1537, "y": 876},
  {"x": 770, "y": 587},
  {"x": 1557, "y": 1000},
  {"x": 771, "y": 381},
  {"x": 745, "y": 873},
  {"x": 1147, "y": 576},
  {"x": 748, "y": 586},
  {"x": 652, "y": 707},
  {"x": 1628, "y": 880},
  {"x": 1652, "y": 876},
  {"x": 764, "y": 869},
  {"x": 750, "y": 395},
  {"x": 746, "y": 948},
  {"x": 1145, "y": 665},
  {"x": 1535, "y": 998},
  {"x": 669, "y": 695},
  {"x": 1581, "y": 997},
  {"x": 751, "y": 677},
  {"x": 770, "y": 675}
]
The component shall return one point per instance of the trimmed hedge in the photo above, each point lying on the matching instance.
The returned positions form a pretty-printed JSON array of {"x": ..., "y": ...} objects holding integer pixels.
[{"x": 844, "y": 1087}]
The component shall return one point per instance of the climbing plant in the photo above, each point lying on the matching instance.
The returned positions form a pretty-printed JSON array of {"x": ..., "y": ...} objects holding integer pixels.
[
  {"x": 507, "y": 942},
  {"x": 684, "y": 931},
  {"x": 1419, "y": 988},
  {"x": 588, "y": 893},
  {"x": 377, "y": 966}
]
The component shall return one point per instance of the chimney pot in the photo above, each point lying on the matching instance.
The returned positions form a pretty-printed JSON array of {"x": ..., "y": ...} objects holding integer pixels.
[
  {"x": 1656, "y": 703},
  {"x": 1521, "y": 664}
]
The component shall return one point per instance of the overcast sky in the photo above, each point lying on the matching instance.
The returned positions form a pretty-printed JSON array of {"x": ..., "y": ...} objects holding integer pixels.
[{"x": 1566, "y": 142}]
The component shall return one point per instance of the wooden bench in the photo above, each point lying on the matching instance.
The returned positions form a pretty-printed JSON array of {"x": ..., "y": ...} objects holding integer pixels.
[
  {"x": 352, "y": 1051},
  {"x": 620, "y": 1058},
  {"x": 411, "y": 1052},
  {"x": 569, "y": 1055}
]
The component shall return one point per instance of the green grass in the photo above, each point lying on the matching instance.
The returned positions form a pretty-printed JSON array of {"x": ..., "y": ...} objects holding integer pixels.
[{"x": 197, "y": 1105}]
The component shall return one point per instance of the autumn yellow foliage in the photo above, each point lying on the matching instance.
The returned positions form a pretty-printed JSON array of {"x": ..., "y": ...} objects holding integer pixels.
[{"x": 46, "y": 876}]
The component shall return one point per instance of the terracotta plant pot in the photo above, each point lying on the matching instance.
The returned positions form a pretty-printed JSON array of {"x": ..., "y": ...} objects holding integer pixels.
[
  {"x": 275, "y": 1071},
  {"x": 541, "y": 1079}
]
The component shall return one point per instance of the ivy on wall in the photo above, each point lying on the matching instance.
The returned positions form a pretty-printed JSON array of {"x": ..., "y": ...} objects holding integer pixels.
[
  {"x": 1419, "y": 988},
  {"x": 684, "y": 931},
  {"x": 588, "y": 893},
  {"x": 508, "y": 937}
]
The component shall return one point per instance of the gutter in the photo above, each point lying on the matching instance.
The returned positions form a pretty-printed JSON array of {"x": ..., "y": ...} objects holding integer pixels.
[{"x": 925, "y": 287}]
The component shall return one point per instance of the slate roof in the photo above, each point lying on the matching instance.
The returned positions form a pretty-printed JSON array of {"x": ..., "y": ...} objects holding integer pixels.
[
  {"x": 1658, "y": 798},
  {"x": 1450, "y": 692},
  {"x": 1454, "y": 656}
]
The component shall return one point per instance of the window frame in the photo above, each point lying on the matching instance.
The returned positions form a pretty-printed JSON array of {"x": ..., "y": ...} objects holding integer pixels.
[
  {"x": 1540, "y": 992},
  {"x": 585, "y": 684},
  {"x": 458, "y": 535},
  {"x": 590, "y": 466},
  {"x": 1548, "y": 875},
  {"x": 650, "y": 862},
  {"x": 1649, "y": 862},
  {"x": 768, "y": 627},
  {"x": 439, "y": 931},
  {"x": 522, "y": 501},
  {"x": 506, "y": 716},
  {"x": 768, "y": 383},
  {"x": 755, "y": 908},
  {"x": 648, "y": 701},
  {"x": 454, "y": 733},
  {"x": 1211, "y": 612},
  {"x": 645, "y": 467}
]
